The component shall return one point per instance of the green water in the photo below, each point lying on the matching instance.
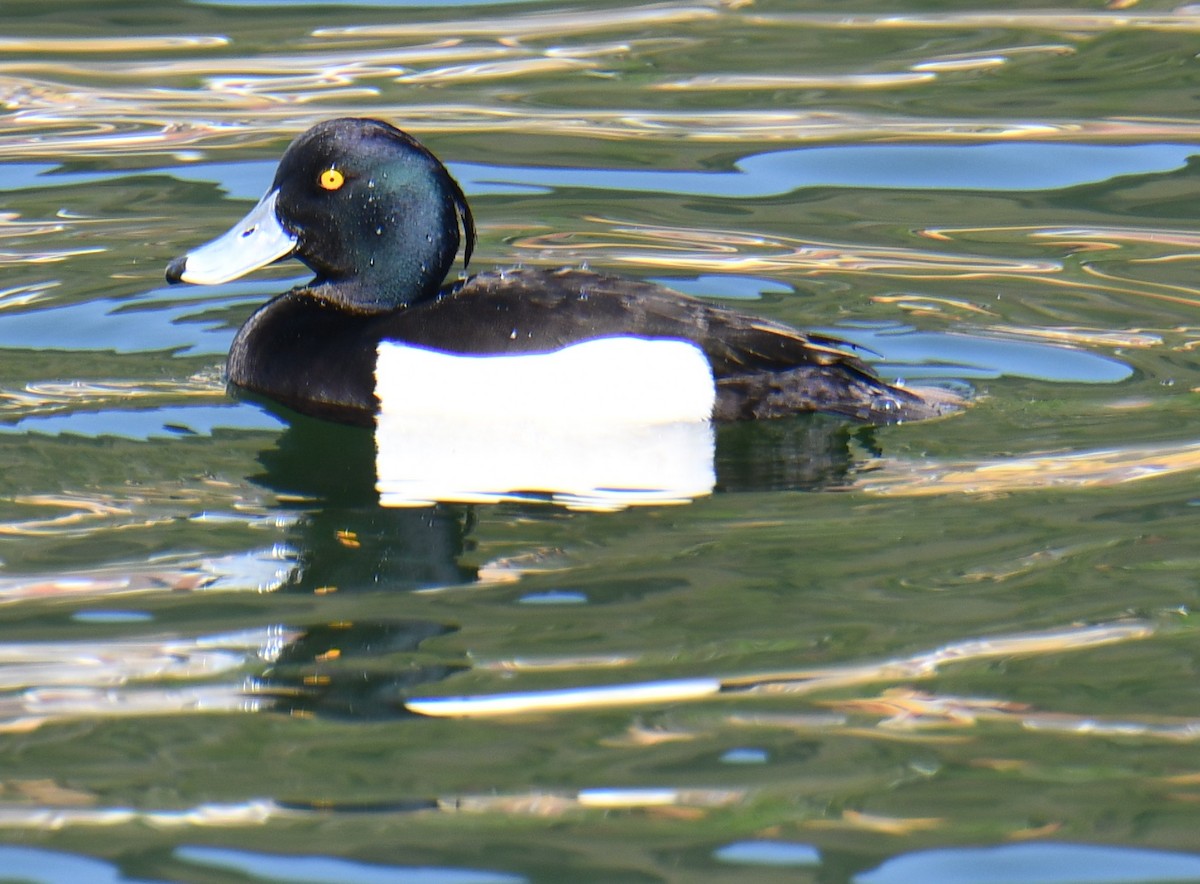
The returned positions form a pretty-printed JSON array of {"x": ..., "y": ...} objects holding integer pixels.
[{"x": 928, "y": 652}]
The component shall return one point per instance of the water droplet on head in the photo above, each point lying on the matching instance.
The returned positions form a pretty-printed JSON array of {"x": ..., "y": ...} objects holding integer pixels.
[
  {"x": 379, "y": 231},
  {"x": 371, "y": 183}
]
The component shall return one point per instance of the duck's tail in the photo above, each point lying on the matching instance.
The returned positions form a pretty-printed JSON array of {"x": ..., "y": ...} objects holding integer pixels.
[{"x": 849, "y": 392}]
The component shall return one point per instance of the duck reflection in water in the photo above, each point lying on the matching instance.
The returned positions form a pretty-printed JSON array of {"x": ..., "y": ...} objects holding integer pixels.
[
  {"x": 344, "y": 539},
  {"x": 551, "y": 361}
]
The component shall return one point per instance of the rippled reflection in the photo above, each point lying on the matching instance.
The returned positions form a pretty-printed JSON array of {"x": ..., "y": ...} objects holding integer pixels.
[
  {"x": 85, "y": 99},
  {"x": 863, "y": 647}
]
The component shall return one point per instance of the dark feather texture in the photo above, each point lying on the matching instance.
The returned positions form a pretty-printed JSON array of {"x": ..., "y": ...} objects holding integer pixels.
[
  {"x": 378, "y": 218},
  {"x": 763, "y": 369}
]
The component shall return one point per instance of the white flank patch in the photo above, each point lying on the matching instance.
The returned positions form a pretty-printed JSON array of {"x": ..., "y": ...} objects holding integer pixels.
[
  {"x": 571, "y": 698},
  {"x": 599, "y": 425},
  {"x": 607, "y": 380}
]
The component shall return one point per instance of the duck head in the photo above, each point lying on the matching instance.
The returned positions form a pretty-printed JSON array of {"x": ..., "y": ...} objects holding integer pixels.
[{"x": 369, "y": 209}]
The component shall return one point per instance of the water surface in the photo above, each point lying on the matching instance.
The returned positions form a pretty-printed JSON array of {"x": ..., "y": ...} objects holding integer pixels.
[{"x": 950, "y": 651}]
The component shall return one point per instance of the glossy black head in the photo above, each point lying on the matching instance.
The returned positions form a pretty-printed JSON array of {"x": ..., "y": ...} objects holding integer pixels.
[
  {"x": 375, "y": 215},
  {"x": 366, "y": 206}
]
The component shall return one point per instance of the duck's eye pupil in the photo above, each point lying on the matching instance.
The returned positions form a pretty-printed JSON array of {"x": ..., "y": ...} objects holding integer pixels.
[{"x": 331, "y": 179}]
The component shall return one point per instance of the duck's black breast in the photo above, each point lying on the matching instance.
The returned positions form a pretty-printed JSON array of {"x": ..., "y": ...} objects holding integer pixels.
[
  {"x": 308, "y": 355},
  {"x": 320, "y": 359}
]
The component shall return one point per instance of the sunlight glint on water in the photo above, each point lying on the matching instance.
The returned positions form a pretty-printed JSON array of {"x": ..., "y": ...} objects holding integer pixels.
[{"x": 946, "y": 651}]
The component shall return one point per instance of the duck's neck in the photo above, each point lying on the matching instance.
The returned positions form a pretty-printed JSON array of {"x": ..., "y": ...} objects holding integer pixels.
[{"x": 395, "y": 252}]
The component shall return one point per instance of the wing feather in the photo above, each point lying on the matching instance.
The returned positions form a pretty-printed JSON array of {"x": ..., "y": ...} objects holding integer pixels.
[{"x": 551, "y": 308}]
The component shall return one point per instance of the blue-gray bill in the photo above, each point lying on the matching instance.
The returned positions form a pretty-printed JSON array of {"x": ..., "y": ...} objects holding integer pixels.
[{"x": 257, "y": 240}]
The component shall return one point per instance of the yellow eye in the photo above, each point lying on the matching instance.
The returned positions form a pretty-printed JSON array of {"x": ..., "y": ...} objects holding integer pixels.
[{"x": 331, "y": 179}]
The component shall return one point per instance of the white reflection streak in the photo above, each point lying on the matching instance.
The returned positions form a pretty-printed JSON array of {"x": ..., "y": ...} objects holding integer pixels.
[
  {"x": 257, "y": 811},
  {"x": 110, "y": 44},
  {"x": 47, "y": 397},
  {"x": 103, "y": 663},
  {"x": 720, "y": 82},
  {"x": 86, "y": 680},
  {"x": 1077, "y": 469},
  {"x": 253, "y": 812},
  {"x": 1184, "y": 20},
  {"x": 536, "y": 25},
  {"x": 259, "y": 570},
  {"x": 919, "y": 666}
]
